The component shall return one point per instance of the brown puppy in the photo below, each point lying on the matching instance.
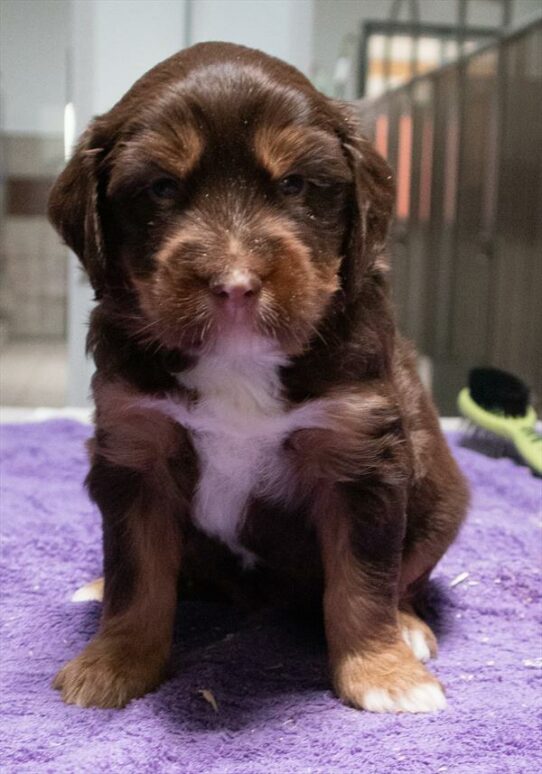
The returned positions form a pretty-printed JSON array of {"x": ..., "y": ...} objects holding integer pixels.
[{"x": 258, "y": 419}]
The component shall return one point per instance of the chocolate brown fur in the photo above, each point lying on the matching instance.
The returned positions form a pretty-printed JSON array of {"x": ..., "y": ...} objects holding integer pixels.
[{"x": 372, "y": 497}]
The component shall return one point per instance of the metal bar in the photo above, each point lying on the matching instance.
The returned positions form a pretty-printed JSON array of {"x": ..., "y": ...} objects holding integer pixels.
[
  {"x": 394, "y": 12},
  {"x": 462, "y": 9},
  {"x": 433, "y": 30},
  {"x": 415, "y": 45},
  {"x": 461, "y": 66},
  {"x": 506, "y": 15},
  {"x": 500, "y": 117}
]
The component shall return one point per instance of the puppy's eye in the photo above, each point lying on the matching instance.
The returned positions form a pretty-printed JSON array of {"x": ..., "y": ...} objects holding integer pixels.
[
  {"x": 164, "y": 189},
  {"x": 292, "y": 185}
]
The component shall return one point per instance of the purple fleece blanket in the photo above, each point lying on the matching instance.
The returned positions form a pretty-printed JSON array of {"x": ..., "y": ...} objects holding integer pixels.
[{"x": 276, "y": 712}]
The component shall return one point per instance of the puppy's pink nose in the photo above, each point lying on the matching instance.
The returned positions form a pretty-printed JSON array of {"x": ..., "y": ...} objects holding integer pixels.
[{"x": 237, "y": 290}]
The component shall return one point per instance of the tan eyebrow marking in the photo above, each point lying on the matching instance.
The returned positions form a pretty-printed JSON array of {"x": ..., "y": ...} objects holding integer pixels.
[
  {"x": 175, "y": 149},
  {"x": 279, "y": 150},
  {"x": 178, "y": 149}
]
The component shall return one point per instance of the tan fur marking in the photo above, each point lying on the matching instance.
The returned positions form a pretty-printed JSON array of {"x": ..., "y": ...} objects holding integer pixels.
[
  {"x": 175, "y": 149},
  {"x": 280, "y": 150}
]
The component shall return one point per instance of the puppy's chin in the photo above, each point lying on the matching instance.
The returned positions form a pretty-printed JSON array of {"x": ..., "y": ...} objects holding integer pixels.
[
  {"x": 253, "y": 327},
  {"x": 242, "y": 318},
  {"x": 240, "y": 331}
]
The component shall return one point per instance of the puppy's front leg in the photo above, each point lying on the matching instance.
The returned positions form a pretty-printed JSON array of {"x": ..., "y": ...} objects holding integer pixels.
[
  {"x": 361, "y": 529},
  {"x": 141, "y": 564}
]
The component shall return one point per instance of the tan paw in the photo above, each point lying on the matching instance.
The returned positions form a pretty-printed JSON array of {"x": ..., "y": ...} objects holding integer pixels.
[
  {"x": 418, "y": 636},
  {"x": 106, "y": 676},
  {"x": 390, "y": 681}
]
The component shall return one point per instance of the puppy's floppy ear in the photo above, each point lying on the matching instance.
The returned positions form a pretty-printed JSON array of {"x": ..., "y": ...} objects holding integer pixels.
[
  {"x": 73, "y": 207},
  {"x": 373, "y": 199}
]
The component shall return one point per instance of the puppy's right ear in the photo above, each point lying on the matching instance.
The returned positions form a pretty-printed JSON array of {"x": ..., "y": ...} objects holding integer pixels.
[{"x": 74, "y": 206}]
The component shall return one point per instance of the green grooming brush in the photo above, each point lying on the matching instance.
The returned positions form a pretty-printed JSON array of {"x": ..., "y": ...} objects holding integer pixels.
[{"x": 498, "y": 402}]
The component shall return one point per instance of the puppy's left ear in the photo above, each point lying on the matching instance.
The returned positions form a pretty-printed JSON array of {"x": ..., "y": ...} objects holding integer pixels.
[{"x": 373, "y": 199}]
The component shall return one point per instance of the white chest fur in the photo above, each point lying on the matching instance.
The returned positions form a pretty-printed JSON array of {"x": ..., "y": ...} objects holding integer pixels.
[
  {"x": 237, "y": 430},
  {"x": 238, "y": 424}
]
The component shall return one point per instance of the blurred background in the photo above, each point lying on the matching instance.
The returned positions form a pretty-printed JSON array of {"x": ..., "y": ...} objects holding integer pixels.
[{"x": 449, "y": 90}]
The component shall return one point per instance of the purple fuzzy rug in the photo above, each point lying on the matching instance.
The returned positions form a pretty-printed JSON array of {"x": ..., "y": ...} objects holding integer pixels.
[{"x": 276, "y": 713}]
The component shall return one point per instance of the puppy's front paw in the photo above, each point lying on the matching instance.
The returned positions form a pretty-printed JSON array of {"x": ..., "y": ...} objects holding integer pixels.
[
  {"x": 107, "y": 675},
  {"x": 390, "y": 681}
]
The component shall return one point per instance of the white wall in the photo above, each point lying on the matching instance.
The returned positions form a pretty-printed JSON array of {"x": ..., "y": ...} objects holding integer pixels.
[
  {"x": 33, "y": 75},
  {"x": 130, "y": 37},
  {"x": 116, "y": 41},
  {"x": 282, "y": 28}
]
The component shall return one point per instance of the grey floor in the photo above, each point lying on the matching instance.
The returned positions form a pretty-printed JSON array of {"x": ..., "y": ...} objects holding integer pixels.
[{"x": 33, "y": 373}]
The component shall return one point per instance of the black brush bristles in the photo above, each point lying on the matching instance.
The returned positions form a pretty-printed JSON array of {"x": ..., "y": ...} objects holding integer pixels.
[{"x": 499, "y": 391}]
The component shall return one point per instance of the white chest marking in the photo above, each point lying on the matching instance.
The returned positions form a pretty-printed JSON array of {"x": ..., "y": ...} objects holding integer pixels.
[
  {"x": 238, "y": 424},
  {"x": 236, "y": 435}
]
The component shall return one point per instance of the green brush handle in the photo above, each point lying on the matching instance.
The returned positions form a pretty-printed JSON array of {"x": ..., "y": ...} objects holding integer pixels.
[{"x": 520, "y": 430}]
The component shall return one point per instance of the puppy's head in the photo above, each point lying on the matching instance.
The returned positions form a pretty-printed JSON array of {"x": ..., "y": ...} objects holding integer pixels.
[{"x": 227, "y": 197}]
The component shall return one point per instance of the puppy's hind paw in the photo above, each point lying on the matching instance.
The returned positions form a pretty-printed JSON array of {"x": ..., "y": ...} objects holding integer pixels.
[
  {"x": 90, "y": 592},
  {"x": 418, "y": 636}
]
